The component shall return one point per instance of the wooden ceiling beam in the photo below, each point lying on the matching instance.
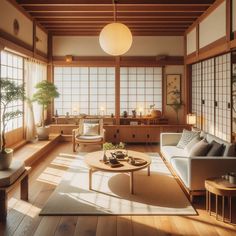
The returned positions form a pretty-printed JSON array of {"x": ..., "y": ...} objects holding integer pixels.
[
  {"x": 131, "y": 27},
  {"x": 119, "y": 1},
  {"x": 104, "y": 21},
  {"x": 119, "y": 14},
  {"x": 89, "y": 23},
  {"x": 135, "y": 33},
  {"x": 125, "y": 22},
  {"x": 120, "y": 7}
]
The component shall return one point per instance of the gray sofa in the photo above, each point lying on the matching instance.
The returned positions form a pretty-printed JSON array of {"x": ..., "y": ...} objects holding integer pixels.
[{"x": 192, "y": 171}]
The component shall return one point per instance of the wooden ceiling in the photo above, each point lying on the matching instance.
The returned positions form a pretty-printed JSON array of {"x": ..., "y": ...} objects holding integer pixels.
[{"x": 143, "y": 17}]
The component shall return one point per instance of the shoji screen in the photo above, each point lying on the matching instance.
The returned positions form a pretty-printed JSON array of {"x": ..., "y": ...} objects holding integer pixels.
[
  {"x": 140, "y": 87},
  {"x": 89, "y": 90},
  {"x": 197, "y": 92},
  {"x": 208, "y": 96},
  {"x": 223, "y": 97}
]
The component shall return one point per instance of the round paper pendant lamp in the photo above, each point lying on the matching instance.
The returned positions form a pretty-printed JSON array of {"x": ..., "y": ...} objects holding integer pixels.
[{"x": 115, "y": 39}]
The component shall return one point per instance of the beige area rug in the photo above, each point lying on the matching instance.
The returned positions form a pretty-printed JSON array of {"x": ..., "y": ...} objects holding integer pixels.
[{"x": 157, "y": 194}]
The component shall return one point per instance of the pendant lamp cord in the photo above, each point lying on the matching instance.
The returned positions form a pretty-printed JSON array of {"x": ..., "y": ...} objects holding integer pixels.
[{"x": 114, "y": 9}]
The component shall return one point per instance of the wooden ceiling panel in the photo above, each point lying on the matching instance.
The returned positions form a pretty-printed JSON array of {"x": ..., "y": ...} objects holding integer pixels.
[{"x": 88, "y": 17}]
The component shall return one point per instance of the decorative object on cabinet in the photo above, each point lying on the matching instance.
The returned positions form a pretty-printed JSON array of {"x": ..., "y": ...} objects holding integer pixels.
[
  {"x": 173, "y": 89},
  {"x": 134, "y": 113},
  {"x": 125, "y": 114}
]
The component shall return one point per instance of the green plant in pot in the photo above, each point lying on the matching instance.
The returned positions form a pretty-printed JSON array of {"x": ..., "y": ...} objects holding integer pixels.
[
  {"x": 46, "y": 92},
  {"x": 10, "y": 92}
]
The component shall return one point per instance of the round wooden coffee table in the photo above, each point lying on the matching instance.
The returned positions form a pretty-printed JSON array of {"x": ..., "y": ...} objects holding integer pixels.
[
  {"x": 95, "y": 163},
  {"x": 219, "y": 187}
]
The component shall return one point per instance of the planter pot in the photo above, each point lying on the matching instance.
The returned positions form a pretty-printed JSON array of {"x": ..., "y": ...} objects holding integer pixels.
[
  {"x": 43, "y": 133},
  {"x": 6, "y": 159}
]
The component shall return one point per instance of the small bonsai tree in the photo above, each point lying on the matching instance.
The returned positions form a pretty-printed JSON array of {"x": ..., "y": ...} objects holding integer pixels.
[
  {"x": 46, "y": 91},
  {"x": 10, "y": 92}
]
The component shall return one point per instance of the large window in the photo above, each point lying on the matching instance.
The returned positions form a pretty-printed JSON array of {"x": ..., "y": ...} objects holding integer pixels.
[
  {"x": 140, "y": 87},
  {"x": 12, "y": 69},
  {"x": 89, "y": 90}
]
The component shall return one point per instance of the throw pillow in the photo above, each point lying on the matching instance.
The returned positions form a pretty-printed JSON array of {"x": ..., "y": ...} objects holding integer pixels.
[
  {"x": 186, "y": 137},
  {"x": 91, "y": 129},
  {"x": 216, "y": 149},
  {"x": 191, "y": 144},
  {"x": 200, "y": 149}
]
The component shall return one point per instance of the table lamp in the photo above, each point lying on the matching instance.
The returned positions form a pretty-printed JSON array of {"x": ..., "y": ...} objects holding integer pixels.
[{"x": 191, "y": 119}]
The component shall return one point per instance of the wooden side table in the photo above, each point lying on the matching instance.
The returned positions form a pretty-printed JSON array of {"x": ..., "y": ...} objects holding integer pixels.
[
  {"x": 219, "y": 187},
  {"x": 23, "y": 181}
]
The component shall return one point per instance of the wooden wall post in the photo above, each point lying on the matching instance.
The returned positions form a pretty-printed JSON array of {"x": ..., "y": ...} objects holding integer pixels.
[{"x": 117, "y": 90}]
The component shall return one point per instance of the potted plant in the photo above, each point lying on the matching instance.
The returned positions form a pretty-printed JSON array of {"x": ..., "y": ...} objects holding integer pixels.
[
  {"x": 46, "y": 91},
  {"x": 10, "y": 92}
]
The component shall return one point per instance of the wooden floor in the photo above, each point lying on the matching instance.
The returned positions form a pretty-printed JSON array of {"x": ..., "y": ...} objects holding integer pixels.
[{"x": 23, "y": 218}]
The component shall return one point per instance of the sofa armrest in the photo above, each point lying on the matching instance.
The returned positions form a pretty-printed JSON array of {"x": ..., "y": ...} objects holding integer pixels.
[
  {"x": 170, "y": 139},
  {"x": 202, "y": 168}
]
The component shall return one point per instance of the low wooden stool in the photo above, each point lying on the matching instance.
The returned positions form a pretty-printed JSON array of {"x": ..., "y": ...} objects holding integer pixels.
[
  {"x": 9, "y": 179},
  {"x": 219, "y": 187}
]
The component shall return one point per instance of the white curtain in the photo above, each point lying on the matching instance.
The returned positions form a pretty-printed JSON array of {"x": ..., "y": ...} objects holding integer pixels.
[{"x": 34, "y": 73}]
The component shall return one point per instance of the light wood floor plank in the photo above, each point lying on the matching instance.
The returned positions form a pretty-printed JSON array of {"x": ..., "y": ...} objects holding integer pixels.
[
  {"x": 107, "y": 225},
  {"x": 86, "y": 226},
  {"x": 143, "y": 225},
  {"x": 66, "y": 226},
  {"x": 47, "y": 226},
  {"x": 124, "y": 226}
]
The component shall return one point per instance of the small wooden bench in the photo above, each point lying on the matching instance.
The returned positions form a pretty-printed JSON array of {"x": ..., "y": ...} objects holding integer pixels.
[{"x": 21, "y": 179}]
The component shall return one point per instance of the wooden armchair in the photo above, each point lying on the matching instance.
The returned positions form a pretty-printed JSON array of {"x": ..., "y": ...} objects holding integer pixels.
[{"x": 90, "y": 132}]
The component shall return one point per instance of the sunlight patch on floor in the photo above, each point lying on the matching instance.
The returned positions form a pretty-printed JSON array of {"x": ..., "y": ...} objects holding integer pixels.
[{"x": 51, "y": 176}]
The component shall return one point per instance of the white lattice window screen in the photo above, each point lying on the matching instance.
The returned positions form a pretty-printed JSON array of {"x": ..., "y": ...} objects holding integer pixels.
[
  {"x": 223, "y": 97},
  {"x": 140, "y": 87},
  {"x": 89, "y": 90},
  {"x": 196, "y": 92},
  {"x": 208, "y": 96},
  {"x": 11, "y": 67}
]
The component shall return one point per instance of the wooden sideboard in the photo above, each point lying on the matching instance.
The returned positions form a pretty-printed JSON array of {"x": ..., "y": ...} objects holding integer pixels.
[{"x": 126, "y": 133}]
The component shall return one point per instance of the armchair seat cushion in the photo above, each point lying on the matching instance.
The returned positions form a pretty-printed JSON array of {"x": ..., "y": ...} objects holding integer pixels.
[
  {"x": 89, "y": 138},
  {"x": 171, "y": 151}
]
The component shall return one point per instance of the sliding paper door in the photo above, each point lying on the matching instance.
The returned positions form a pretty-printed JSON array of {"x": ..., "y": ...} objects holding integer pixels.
[
  {"x": 208, "y": 96},
  {"x": 223, "y": 97},
  {"x": 197, "y": 93}
]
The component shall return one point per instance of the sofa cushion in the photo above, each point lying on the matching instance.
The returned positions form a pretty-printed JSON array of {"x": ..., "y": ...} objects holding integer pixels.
[
  {"x": 170, "y": 151},
  {"x": 211, "y": 137},
  {"x": 216, "y": 149},
  {"x": 232, "y": 151},
  {"x": 186, "y": 137},
  {"x": 180, "y": 165},
  {"x": 91, "y": 129},
  {"x": 200, "y": 149},
  {"x": 191, "y": 144},
  {"x": 89, "y": 138}
]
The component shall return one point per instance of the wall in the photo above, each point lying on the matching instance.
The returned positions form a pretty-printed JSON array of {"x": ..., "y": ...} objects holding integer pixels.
[
  {"x": 42, "y": 43},
  {"x": 142, "y": 46},
  {"x": 169, "y": 112},
  {"x": 213, "y": 27},
  {"x": 8, "y": 14},
  {"x": 234, "y": 15},
  {"x": 191, "y": 41}
]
